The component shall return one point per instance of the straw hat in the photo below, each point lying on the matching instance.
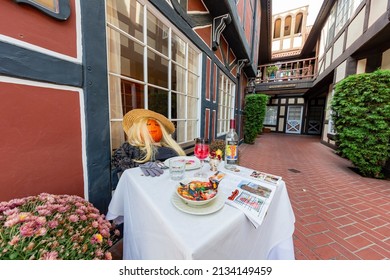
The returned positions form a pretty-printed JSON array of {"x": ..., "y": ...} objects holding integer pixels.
[{"x": 134, "y": 115}]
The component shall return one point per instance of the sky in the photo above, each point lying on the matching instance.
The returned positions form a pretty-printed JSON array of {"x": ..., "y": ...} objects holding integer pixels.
[{"x": 285, "y": 5}]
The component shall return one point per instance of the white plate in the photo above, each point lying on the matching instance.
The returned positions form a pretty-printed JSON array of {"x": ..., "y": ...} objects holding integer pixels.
[
  {"x": 194, "y": 203},
  {"x": 191, "y": 162},
  {"x": 206, "y": 209}
]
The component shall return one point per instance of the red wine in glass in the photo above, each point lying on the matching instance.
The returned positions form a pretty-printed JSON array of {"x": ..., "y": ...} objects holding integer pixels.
[{"x": 201, "y": 151}]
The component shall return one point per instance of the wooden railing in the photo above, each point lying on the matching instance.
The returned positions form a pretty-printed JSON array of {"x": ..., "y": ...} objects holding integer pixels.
[{"x": 287, "y": 71}]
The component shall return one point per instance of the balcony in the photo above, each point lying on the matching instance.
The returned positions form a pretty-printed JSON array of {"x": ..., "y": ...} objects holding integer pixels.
[
  {"x": 294, "y": 70},
  {"x": 290, "y": 76}
]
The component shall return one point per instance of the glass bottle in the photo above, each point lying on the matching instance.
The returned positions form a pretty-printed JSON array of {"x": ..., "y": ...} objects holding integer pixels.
[{"x": 231, "y": 149}]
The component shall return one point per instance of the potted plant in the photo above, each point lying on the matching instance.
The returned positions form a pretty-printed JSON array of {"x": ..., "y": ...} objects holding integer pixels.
[
  {"x": 52, "y": 227},
  {"x": 271, "y": 71}
]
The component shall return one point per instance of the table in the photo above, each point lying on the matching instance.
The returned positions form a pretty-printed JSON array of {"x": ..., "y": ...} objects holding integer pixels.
[{"x": 155, "y": 229}]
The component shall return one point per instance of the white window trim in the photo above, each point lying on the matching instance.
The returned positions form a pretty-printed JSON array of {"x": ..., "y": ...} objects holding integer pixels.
[{"x": 171, "y": 28}]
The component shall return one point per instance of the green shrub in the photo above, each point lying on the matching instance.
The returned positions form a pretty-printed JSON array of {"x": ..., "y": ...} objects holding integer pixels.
[
  {"x": 255, "y": 107},
  {"x": 361, "y": 113}
]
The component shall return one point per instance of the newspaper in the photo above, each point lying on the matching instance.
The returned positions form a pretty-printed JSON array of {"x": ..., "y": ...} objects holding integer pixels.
[{"x": 252, "y": 198}]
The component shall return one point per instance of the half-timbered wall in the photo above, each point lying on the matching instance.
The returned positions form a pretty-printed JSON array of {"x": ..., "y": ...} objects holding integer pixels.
[
  {"x": 350, "y": 43},
  {"x": 53, "y": 90},
  {"x": 55, "y": 96},
  {"x": 41, "y": 106}
]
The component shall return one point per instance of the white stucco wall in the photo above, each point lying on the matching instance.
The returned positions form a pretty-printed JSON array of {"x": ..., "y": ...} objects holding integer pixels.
[
  {"x": 338, "y": 47},
  {"x": 386, "y": 60},
  {"x": 328, "y": 60},
  {"x": 355, "y": 29},
  {"x": 377, "y": 8},
  {"x": 361, "y": 66},
  {"x": 340, "y": 71}
]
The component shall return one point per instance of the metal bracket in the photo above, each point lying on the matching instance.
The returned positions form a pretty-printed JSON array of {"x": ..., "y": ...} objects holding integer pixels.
[
  {"x": 219, "y": 24},
  {"x": 240, "y": 64}
]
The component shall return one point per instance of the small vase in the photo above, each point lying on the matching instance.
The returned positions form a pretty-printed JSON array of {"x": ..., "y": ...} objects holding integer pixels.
[{"x": 214, "y": 162}]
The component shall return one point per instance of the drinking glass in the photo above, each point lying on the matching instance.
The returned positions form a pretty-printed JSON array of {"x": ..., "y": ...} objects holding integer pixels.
[
  {"x": 177, "y": 168},
  {"x": 201, "y": 151}
]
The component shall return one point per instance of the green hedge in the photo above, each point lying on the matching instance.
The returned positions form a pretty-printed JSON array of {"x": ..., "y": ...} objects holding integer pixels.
[
  {"x": 361, "y": 114},
  {"x": 255, "y": 107}
]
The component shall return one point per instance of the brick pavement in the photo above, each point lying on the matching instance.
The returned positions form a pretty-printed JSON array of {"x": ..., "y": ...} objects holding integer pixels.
[{"x": 339, "y": 214}]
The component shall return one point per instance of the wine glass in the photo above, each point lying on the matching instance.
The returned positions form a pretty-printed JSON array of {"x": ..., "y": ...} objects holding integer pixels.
[{"x": 201, "y": 151}]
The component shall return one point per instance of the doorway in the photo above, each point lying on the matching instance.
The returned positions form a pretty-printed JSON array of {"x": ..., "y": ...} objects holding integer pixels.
[
  {"x": 294, "y": 119},
  {"x": 314, "y": 124}
]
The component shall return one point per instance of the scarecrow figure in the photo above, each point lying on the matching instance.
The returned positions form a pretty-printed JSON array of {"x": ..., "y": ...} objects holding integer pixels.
[{"x": 149, "y": 139}]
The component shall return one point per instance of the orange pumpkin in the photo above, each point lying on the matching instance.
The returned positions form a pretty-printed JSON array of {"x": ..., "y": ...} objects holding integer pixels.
[{"x": 154, "y": 130}]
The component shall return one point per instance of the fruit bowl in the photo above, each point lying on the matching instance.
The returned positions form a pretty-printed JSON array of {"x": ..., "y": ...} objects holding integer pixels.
[{"x": 196, "y": 191}]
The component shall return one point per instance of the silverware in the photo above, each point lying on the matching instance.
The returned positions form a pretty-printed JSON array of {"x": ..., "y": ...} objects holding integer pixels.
[{"x": 161, "y": 164}]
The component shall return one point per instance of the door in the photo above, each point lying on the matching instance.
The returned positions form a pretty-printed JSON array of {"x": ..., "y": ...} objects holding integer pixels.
[
  {"x": 315, "y": 120},
  {"x": 294, "y": 119}
]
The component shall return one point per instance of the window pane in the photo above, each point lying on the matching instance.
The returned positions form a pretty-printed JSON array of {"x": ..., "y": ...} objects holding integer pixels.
[
  {"x": 157, "y": 70},
  {"x": 271, "y": 115},
  {"x": 287, "y": 26},
  {"x": 180, "y": 134},
  {"x": 298, "y": 23},
  {"x": 192, "y": 108},
  {"x": 128, "y": 16},
  {"x": 178, "y": 78},
  {"x": 178, "y": 106},
  {"x": 178, "y": 50},
  {"x": 158, "y": 100},
  {"x": 157, "y": 34},
  {"x": 117, "y": 134},
  {"x": 126, "y": 56},
  {"x": 193, "y": 60},
  {"x": 226, "y": 99},
  {"x": 192, "y": 85},
  {"x": 277, "y": 28},
  {"x": 191, "y": 130},
  {"x": 131, "y": 96}
]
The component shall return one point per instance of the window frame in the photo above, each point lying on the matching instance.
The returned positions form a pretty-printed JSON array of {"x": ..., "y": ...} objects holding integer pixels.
[
  {"x": 182, "y": 120},
  {"x": 226, "y": 103},
  {"x": 267, "y": 117}
]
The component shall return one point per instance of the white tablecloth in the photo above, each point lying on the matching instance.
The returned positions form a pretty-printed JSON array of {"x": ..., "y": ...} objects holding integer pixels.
[{"x": 155, "y": 229}]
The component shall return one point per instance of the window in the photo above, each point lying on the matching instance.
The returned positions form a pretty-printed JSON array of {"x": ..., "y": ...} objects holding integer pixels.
[
  {"x": 330, "y": 26},
  {"x": 298, "y": 23},
  {"x": 277, "y": 25},
  {"x": 345, "y": 9},
  {"x": 271, "y": 114},
  {"x": 150, "y": 65},
  {"x": 226, "y": 99},
  {"x": 287, "y": 26}
]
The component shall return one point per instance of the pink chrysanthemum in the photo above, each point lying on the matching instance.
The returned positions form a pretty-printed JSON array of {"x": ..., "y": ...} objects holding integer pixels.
[
  {"x": 53, "y": 255},
  {"x": 73, "y": 218},
  {"x": 14, "y": 240},
  {"x": 108, "y": 256},
  {"x": 53, "y": 227}
]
